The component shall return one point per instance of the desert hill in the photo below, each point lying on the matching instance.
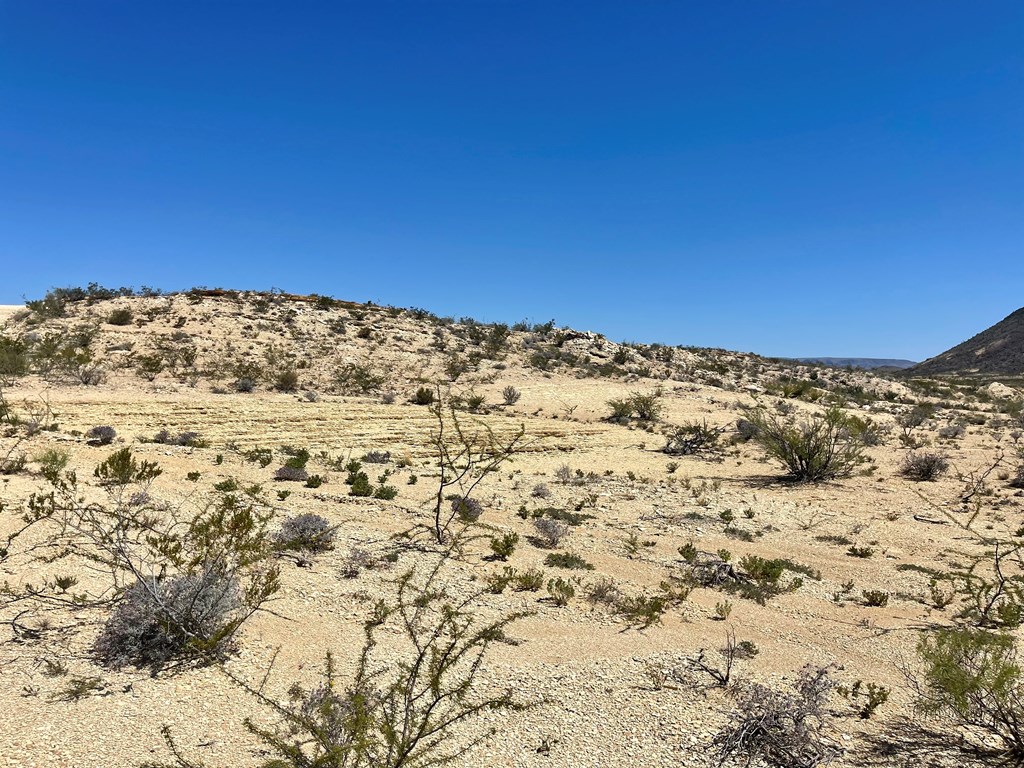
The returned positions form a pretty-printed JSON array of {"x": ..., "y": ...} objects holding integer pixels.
[
  {"x": 637, "y": 532},
  {"x": 998, "y": 350}
]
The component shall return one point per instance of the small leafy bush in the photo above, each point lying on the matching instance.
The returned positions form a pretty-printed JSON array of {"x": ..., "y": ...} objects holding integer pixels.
[
  {"x": 503, "y": 546},
  {"x": 510, "y": 395},
  {"x": 561, "y": 591}
]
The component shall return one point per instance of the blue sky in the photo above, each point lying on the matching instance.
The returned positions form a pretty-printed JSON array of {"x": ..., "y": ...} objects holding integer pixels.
[{"x": 789, "y": 178}]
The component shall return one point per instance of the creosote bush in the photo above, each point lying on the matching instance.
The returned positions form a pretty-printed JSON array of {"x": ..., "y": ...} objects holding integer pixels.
[{"x": 827, "y": 446}]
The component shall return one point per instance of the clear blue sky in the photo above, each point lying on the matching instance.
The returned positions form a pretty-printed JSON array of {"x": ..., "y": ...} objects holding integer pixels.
[{"x": 790, "y": 178}]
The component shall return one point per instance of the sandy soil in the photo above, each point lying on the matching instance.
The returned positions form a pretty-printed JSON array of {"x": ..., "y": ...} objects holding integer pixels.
[{"x": 581, "y": 666}]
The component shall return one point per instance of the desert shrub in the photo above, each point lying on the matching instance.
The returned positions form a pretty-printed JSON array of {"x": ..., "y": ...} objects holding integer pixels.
[
  {"x": 309, "y": 532},
  {"x": 510, "y": 395},
  {"x": 822, "y": 448},
  {"x": 642, "y": 610},
  {"x": 567, "y": 560},
  {"x": 52, "y": 462},
  {"x": 540, "y": 491},
  {"x": 98, "y": 436},
  {"x": 120, "y": 316},
  {"x": 621, "y": 410},
  {"x": 467, "y": 509},
  {"x": 291, "y": 474},
  {"x": 973, "y": 678},
  {"x": 648, "y": 406},
  {"x": 14, "y": 359},
  {"x": 746, "y": 430},
  {"x": 762, "y": 579},
  {"x": 778, "y": 728},
  {"x": 922, "y": 467},
  {"x": 503, "y": 546},
  {"x": 875, "y": 598},
  {"x": 423, "y": 396},
  {"x": 262, "y": 456},
  {"x": 549, "y": 532},
  {"x": 377, "y": 457},
  {"x": 692, "y": 438},
  {"x": 157, "y": 621},
  {"x": 358, "y": 559},
  {"x": 952, "y": 432},
  {"x": 355, "y": 379},
  {"x": 315, "y": 481},
  {"x": 187, "y": 439},
  {"x": 912, "y": 419},
  {"x": 286, "y": 380},
  {"x": 1017, "y": 481},
  {"x": 561, "y": 591}
]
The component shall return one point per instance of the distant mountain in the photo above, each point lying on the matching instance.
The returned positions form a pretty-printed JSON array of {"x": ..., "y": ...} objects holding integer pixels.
[
  {"x": 866, "y": 363},
  {"x": 998, "y": 350}
]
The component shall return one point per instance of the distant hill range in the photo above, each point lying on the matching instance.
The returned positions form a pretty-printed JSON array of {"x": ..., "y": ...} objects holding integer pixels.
[
  {"x": 867, "y": 363},
  {"x": 998, "y": 350}
]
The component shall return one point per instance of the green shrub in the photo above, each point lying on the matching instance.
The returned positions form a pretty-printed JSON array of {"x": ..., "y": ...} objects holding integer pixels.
[
  {"x": 561, "y": 591},
  {"x": 824, "y": 447},
  {"x": 121, "y": 316},
  {"x": 973, "y": 678},
  {"x": 567, "y": 560},
  {"x": 503, "y": 546}
]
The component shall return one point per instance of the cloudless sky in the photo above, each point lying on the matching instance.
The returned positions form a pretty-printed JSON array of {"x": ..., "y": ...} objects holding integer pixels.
[{"x": 784, "y": 177}]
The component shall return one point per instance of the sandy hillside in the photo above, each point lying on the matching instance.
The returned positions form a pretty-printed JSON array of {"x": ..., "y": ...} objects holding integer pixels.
[{"x": 589, "y": 672}]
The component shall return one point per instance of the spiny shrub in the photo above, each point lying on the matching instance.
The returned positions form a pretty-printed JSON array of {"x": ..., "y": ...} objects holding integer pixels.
[
  {"x": 158, "y": 621},
  {"x": 922, "y": 467},
  {"x": 309, "y": 532}
]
